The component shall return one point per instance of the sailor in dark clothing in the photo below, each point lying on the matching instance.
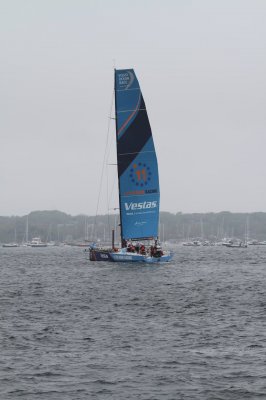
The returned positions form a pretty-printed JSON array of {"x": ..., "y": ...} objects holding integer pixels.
[
  {"x": 130, "y": 248},
  {"x": 157, "y": 252}
]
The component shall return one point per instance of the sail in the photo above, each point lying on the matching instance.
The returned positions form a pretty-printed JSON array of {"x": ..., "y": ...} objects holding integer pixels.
[{"x": 139, "y": 192}]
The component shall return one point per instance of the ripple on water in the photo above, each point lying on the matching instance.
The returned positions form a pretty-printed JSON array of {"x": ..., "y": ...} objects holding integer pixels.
[{"x": 191, "y": 329}]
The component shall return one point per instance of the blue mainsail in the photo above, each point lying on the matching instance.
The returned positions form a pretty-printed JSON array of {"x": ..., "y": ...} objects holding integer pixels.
[{"x": 139, "y": 192}]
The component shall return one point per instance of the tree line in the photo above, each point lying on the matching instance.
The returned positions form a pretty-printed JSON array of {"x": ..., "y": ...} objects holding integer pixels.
[{"x": 62, "y": 227}]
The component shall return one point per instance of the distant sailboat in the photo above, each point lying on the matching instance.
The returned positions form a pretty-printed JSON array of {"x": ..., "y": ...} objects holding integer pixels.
[
  {"x": 36, "y": 242},
  {"x": 236, "y": 244},
  {"x": 192, "y": 243},
  {"x": 12, "y": 244},
  {"x": 138, "y": 179},
  {"x": 239, "y": 243}
]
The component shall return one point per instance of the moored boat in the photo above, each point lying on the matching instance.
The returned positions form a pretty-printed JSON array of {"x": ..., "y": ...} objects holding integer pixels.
[
  {"x": 194, "y": 243},
  {"x": 236, "y": 244},
  {"x": 36, "y": 242}
]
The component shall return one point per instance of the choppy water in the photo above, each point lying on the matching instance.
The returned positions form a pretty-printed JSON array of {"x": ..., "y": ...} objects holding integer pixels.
[{"x": 193, "y": 329}]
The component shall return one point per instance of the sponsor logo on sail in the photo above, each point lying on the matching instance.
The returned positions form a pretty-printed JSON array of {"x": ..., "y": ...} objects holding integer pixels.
[
  {"x": 140, "y": 223},
  {"x": 140, "y": 192},
  {"x": 140, "y": 206},
  {"x": 140, "y": 174},
  {"x": 126, "y": 79}
]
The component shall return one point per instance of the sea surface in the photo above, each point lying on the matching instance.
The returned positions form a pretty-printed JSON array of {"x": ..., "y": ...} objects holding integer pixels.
[{"x": 72, "y": 329}]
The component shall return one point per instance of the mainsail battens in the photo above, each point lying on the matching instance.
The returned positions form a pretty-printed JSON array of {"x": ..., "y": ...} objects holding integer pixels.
[
  {"x": 122, "y": 90},
  {"x": 139, "y": 193},
  {"x": 125, "y": 111},
  {"x": 125, "y": 154},
  {"x": 134, "y": 138}
]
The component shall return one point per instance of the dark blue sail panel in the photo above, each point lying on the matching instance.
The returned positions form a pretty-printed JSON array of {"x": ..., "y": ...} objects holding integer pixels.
[{"x": 137, "y": 162}]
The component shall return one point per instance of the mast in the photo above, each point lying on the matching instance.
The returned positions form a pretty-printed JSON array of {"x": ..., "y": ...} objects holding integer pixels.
[
  {"x": 15, "y": 236},
  {"x": 27, "y": 229},
  {"x": 116, "y": 131}
]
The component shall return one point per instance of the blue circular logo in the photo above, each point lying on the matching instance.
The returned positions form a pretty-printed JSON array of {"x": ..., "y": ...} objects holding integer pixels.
[{"x": 140, "y": 174}]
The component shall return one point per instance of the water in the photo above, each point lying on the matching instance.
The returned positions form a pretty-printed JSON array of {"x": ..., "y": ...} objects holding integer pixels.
[{"x": 192, "y": 329}]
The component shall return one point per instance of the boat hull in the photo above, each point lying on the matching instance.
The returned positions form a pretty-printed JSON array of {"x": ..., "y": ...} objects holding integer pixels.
[
  {"x": 240, "y": 246},
  {"x": 100, "y": 255},
  {"x": 162, "y": 259},
  {"x": 126, "y": 257}
]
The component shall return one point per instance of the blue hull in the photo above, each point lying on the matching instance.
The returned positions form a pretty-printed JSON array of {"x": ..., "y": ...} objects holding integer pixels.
[
  {"x": 122, "y": 256},
  {"x": 163, "y": 259},
  {"x": 126, "y": 257}
]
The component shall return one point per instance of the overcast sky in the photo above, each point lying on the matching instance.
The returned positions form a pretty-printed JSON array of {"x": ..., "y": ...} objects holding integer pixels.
[{"x": 201, "y": 65}]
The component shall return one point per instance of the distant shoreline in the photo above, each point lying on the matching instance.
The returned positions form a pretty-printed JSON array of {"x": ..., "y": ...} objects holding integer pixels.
[{"x": 59, "y": 226}]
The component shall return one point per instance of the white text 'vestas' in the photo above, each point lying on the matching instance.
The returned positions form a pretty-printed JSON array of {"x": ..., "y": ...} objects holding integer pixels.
[{"x": 140, "y": 206}]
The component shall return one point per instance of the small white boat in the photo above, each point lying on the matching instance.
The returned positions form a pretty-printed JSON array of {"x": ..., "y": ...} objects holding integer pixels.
[
  {"x": 10, "y": 245},
  {"x": 257, "y": 243},
  {"x": 193, "y": 243},
  {"x": 236, "y": 244},
  {"x": 36, "y": 242}
]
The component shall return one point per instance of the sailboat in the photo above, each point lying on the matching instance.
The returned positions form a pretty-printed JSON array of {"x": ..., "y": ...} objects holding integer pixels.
[
  {"x": 138, "y": 179},
  {"x": 10, "y": 245},
  {"x": 240, "y": 243},
  {"x": 13, "y": 244}
]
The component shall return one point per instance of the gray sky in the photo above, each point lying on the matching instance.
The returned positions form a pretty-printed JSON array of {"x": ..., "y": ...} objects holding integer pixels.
[{"x": 201, "y": 66}]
